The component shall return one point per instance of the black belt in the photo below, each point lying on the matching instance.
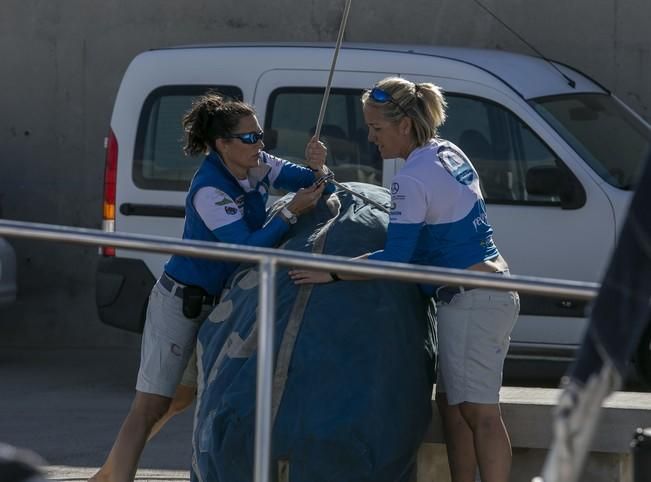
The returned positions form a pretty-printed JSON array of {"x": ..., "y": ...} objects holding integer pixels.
[
  {"x": 176, "y": 289},
  {"x": 445, "y": 293}
]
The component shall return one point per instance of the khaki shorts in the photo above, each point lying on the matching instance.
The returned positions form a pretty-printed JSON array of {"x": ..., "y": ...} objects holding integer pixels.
[
  {"x": 168, "y": 342},
  {"x": 474, "y": 331}
]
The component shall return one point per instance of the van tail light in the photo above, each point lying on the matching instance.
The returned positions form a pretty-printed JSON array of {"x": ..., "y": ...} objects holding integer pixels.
[{"x": 110, "y": 179}]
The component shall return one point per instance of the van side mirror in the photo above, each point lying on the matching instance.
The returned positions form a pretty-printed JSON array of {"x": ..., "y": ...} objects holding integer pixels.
[{"x": 556, "y": 181}]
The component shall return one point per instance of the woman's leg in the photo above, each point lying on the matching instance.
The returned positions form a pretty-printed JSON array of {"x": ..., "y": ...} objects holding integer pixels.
[
  {"x": 452, "y": 330},
  {"x": 167, "y": 344},
  {"x": 491, "y": 441},
  {"x": 146, "y": 410},
  {"x": 183, "y": 398},
  {"x": 474, "y": 331},
  {"x": 458, "y": 440},
  {"x": 493, "y": 317}
]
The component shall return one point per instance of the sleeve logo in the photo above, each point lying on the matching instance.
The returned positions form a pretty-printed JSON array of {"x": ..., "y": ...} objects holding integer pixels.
[
  {"x": 222, "y": 198},
  {"x": 456, "y": 163},
  {"x": 224, "y": 202}
]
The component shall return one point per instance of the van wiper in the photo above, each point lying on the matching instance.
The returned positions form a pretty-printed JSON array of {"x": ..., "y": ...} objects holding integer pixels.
[{"x": 570, "y": 82}]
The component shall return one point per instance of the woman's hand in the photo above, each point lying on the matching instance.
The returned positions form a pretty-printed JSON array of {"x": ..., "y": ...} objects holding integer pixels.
[
  {"x": 303, "y": 277},
  {"x": 315, "y": 154},
  {"x": 305, "y": 199}
]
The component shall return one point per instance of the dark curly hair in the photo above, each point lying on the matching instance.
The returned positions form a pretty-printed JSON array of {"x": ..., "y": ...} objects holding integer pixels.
[{"x": 211, "y": 116}]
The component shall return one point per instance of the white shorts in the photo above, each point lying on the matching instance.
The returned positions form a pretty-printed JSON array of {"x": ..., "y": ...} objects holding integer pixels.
[
  {"x": 168, "y": 342},
  {"x": 474, "y": 331}
]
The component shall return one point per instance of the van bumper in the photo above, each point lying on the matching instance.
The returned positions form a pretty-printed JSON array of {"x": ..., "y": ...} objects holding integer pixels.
[{"x": 122, "y": 291}]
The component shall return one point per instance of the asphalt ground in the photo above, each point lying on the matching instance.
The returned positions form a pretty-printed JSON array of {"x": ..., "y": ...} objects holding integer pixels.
[{"x": 67, "y": 405}]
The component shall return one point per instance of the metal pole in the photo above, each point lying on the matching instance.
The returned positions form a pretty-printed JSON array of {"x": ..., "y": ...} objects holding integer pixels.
[
  {"x": 266, "y": 310},
  {"x": 324, "y": 103},
  {"x": 326, "y": 94},
  {"x": 579, "y": 290}
]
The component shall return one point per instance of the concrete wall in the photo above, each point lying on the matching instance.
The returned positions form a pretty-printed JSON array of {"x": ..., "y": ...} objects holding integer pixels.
[
  {"x": 61, "y": 62},
  {"x": 527, "y": 414}
]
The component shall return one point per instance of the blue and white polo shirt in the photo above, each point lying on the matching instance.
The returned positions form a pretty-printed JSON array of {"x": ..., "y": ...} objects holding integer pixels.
[{"x": 438, "y": 215}]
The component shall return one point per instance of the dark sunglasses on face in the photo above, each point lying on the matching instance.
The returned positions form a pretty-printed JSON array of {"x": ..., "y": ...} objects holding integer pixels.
[
  {"x": 248, "y": 137},
  {"x": 382, "y": 97}
]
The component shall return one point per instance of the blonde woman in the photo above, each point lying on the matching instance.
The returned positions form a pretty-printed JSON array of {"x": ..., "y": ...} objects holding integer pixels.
[{"x": 438, "y": 218}]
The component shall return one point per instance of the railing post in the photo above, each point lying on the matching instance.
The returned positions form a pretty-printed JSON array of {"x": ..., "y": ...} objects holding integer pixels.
[
  {"x": 641, "y": 451},
  {"x": 264, "y": 379}
]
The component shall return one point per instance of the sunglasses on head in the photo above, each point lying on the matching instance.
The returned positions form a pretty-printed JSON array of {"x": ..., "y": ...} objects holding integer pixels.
[
  {"x": 248, "y": 137},
  {"x": 382, "y": 97}
]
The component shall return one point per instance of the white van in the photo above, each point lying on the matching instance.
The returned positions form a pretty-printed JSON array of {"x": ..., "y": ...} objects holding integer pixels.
[{"x": 558, "y": 156}]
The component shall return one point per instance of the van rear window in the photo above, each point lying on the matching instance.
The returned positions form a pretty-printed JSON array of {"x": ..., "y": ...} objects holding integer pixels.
[{"x": 158, "y": 161}]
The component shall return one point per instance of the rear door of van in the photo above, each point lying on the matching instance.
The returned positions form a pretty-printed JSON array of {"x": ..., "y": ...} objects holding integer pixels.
[{"x": 152, "y": 173}]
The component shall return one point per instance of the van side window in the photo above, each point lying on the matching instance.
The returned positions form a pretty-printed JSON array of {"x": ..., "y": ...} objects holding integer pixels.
[
  {"x": 158, "y": 160},
  {"x": 501, "y": 147},
  {"x": 291, "y": 120}
]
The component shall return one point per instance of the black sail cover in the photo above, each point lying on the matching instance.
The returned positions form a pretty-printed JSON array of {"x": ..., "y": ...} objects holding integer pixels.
[{"x": 352, "y": 379}]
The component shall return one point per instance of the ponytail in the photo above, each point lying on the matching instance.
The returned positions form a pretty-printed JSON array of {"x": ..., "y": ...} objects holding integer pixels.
[{"x": 211, "y": 116}]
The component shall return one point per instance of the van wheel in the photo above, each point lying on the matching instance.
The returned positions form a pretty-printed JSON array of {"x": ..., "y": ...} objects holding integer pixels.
[{"x": 643, "y": 356}]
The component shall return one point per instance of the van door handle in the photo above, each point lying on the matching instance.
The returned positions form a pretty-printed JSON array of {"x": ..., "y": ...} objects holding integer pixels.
[
  {"x": 538, "y": 305},
  {"x": 567, "y": 304},
  {"x": 152, "y": 210}
]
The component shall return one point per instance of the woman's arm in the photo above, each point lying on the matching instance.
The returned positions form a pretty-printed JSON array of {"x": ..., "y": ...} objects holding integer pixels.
[
  {"x": 409, "y": 205},
  {"x": 222, "y": 216},
  {"x": 303, "y": 276},
  {"x": 400, "y": 244},
  {"x": 399, "y": 247},
  {"x": 270, "y": 234},
  {"x": 291, "y": 177},
  {"x": 407, "y": 218}
]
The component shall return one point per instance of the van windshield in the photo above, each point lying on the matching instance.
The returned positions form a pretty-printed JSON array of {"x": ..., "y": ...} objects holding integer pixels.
[{"x": 613, "y": 141}]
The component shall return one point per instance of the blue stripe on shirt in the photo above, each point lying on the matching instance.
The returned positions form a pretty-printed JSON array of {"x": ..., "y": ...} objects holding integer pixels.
[
  {"x": 238, "y": 232},
  {"x": 400, "y": 244}
]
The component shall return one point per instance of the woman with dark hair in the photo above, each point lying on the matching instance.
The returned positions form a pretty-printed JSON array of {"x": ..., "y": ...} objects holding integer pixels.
[
  {"x": 226, "y": 203},
  {"x": 438, "y": 218}
]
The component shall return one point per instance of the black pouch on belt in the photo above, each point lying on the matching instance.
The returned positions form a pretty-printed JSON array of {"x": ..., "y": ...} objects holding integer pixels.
[{"x": 192, "y": 301}]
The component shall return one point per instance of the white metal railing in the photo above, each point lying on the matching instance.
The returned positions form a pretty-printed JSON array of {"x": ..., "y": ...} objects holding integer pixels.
[{"x": 268, "y": 260}]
